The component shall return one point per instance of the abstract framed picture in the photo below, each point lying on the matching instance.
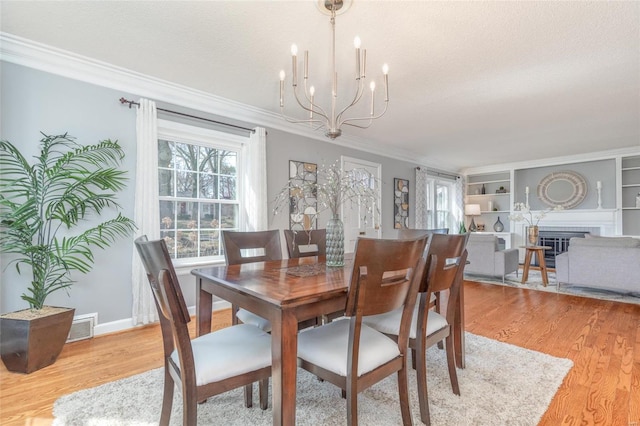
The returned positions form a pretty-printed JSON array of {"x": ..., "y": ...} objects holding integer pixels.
[
  {"x": 400, "y": 203},
  {"x": 303, "y": 207}
]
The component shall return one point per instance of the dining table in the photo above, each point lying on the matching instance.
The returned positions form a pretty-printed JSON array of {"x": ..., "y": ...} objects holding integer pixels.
[{"x": 285, "y": 292}]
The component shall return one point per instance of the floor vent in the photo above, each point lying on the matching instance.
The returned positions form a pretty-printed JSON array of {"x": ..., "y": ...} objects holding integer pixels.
[{"x": 82, "y": 327}]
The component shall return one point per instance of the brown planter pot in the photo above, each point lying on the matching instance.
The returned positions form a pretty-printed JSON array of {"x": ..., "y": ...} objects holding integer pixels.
[{"x": 30, "y": 344}]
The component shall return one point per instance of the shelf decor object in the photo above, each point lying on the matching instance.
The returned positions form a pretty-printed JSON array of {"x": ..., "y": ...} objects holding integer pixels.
[
  {"x": 599, "y": 189},
  {"x": 498, "y": 226},
  {"x": 472, "y": 210},
  {"x": 566, "y": 188},
  {"x": 400, "y": 203},
  {"x": 302, "y": 207}
]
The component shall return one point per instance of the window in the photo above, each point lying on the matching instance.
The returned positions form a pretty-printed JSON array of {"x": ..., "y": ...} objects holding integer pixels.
[
  {"x": 440, "y": 201},
  {"x": 199, "y": 189}
]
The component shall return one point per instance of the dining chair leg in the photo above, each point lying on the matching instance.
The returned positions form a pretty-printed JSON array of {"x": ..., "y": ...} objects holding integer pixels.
[
  {"x": 423, "y": 394},
  {"x": 414, "y": 357},
  {"x": 248, "y": 395},
  {"x": 403, "y": 394},
  {"x": 189, "y": 407},
  {"x": 352, "y": 407},
  {"x": 167, "y": 398},
  {"x": 263, "y": 388},
  {"x": 451, "y": 362}
]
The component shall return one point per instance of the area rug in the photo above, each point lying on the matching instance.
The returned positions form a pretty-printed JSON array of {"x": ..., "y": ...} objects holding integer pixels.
[
  {"x": 535, "y": 283},
  {"x": 501, "y": 384}
]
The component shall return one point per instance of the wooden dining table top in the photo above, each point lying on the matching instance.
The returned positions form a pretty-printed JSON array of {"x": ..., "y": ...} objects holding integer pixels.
[{"x": 286, "y": 283}]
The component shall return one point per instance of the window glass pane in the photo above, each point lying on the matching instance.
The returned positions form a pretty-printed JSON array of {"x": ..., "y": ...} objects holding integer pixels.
[
  {"x": 228, "y": 162},
  {"x": 209, "y": 160},
  {"x": 165, "y": 178},
  {"x": 186, "y": 244},
  {"x": 209, "y": 215},
  {"x": 186, "y": 184},
  {"x": 187, "y": 215},
  {"x": 229, "y": 216},
  {"x": 165, "y": 154},
  {"x": 210, "y": 243},
  {"x": 167, "y": 215},
  {"x": 186, "y": 157},
  {"x": 208, "y": 186},
  {"x": 227, "y": 188}
]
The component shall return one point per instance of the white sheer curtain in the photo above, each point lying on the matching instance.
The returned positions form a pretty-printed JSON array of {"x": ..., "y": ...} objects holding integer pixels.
[
  {"x": 147, "y": 209},
  {"x": 459, "y": 202},
  {"x": 422, "y": 198},
  {"x": 255, "y": 203}
]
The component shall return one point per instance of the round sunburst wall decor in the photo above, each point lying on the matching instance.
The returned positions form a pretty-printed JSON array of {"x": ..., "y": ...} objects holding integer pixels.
[{"x": 566, "y": 188}]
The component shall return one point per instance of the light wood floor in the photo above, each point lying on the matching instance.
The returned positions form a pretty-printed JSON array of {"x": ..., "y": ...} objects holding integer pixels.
[{"x": 602, "y": 338}]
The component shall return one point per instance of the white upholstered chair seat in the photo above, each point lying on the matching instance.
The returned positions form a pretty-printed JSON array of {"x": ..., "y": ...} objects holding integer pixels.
[
  {"x": 248, "y": 317},
  {"x": 328, "y": 347},
  {"x": 229, "y": 352},
  {"x": 389, "y": 323}
]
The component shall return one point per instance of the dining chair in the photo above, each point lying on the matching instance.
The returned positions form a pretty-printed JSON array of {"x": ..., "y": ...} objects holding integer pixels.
[
  {"x": 413, "y": 233},
  {"x": 445, "y": 261},
  {"x": 305, "y": 243},
  {"x": 248, "y": 247},
  {"x": 350, "y": 354},
  {"x": 207, "y": 365}
]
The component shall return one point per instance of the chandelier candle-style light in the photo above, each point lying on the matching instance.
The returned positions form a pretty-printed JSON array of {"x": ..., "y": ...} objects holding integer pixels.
[{"x": 333, "y": 120}]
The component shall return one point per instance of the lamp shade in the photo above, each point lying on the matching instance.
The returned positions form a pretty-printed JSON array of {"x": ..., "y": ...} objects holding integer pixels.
[{"x": 472, "y": 209}]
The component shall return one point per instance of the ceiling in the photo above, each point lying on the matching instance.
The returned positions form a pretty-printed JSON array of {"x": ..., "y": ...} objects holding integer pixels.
[{"x": 471, "y": 83}]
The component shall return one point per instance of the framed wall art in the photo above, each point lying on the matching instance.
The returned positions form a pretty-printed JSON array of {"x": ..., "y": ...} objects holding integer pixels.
[
  {"x": 400, "y": 203},
  {"x": 303, "y": 207}
]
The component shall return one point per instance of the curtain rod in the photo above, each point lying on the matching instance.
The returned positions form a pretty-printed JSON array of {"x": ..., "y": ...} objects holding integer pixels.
[
  {"x": 126, "y": 101},
  {"x": 440, "y": 174}
]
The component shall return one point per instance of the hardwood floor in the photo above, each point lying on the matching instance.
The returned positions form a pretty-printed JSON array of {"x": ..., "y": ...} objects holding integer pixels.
[{"x": 602, "y": 338}]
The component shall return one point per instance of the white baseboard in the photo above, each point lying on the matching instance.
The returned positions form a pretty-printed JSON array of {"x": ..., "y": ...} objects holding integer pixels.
[{"x": 127, "y": 323}]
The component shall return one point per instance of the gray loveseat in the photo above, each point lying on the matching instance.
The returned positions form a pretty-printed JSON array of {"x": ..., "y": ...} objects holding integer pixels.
[
  {"x": 486, "y": 258},
  {"x": 609, "y": 263}
]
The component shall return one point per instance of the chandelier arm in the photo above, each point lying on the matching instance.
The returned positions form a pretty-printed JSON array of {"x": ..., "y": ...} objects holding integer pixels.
[
  {"x": 356, "y": 99},
  {"x": 319, "y": 111},
  {"x": 316, "y": 108},
  {"x": 348, "y": 120},
  {"x": 298, "y": 121}
]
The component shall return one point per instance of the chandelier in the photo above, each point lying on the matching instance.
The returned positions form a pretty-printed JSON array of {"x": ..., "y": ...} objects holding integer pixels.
[{"x": 332, "y": 120}]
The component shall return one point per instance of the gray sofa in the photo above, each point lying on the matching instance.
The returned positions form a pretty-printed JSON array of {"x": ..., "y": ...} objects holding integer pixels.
[
  {"x": 486, "y": 258},
  {"x": 609, "y": 263}
]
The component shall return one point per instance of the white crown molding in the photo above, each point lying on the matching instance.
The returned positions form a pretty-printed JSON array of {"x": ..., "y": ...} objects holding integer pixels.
[
  {"x": 556, "y": 161},
  {"x": 56, "y": 61}
]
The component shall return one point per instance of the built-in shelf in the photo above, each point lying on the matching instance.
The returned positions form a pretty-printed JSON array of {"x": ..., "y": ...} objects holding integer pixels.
[
  {"x": 630, "y": 169},
  {"x": 491, "y": 199}
]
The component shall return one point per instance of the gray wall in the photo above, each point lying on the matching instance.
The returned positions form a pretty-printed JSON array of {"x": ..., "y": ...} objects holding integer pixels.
[
  {"x": 592, "y": 171},
  {"x": 34, "y": 101}
]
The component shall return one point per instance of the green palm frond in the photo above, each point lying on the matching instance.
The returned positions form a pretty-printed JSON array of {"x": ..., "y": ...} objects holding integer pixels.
[{"x": 67, "y": 183}]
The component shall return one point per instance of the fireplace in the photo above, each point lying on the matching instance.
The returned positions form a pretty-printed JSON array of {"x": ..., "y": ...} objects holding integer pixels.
[{"x": 559, "y": 243}]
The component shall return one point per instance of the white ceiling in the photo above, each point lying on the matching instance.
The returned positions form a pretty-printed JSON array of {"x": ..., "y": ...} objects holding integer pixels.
[{"x": 471, "y": 83}]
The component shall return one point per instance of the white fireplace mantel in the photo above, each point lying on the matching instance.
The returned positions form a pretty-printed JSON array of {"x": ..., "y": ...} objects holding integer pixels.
[{"x": 597, "y": 221}]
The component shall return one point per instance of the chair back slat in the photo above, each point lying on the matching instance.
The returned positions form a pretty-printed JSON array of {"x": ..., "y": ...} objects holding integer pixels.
[
  {"x": 447, "y": 250},
  {"x": 155, "y": 257},
  {"x": 383, "y": 272},
  {"x": 300, "y": 239},
  {"x": 237, "y": 242}
]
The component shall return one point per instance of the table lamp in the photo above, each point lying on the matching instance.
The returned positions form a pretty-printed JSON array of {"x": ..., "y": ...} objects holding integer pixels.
[{"x": 472, "y": 210}]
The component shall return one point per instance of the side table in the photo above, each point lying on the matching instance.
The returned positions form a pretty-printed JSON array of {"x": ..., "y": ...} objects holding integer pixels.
[{"x": 539, "y": 251}]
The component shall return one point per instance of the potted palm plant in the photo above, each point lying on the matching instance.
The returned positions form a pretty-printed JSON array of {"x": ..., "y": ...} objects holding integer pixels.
[{"x": 42, "y": 206}]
